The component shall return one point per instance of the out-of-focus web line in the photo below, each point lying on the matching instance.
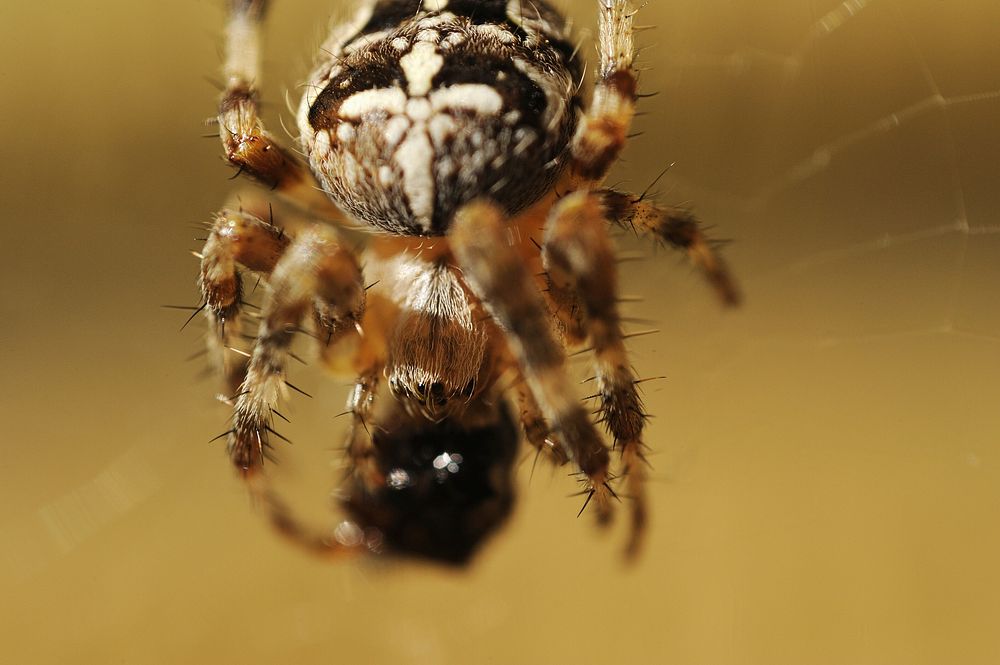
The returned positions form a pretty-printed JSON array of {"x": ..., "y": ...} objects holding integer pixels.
[
  {"x": 64, "y": 523},
  {"x": 832, "y": 21},
  {"x": 75, "y": 516},
  {"x": 738, "y": 62},
  {"x": 946, "y": 328},
  {"x": 961, "y": 214},
  {"x": 823, "y": 155}
]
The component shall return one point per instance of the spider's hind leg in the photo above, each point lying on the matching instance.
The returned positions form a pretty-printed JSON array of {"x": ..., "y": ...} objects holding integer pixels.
[
  {"x": 315, "y": 275},
  {"x": 310, "y": 276}
]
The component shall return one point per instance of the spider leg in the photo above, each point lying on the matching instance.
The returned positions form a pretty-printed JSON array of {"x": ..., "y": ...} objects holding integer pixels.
[
  {"x": 604, "y": 129},
  {"x": 317, "y": 275},
  {"x": 247, "y": 145},
  {"x": 360, "y": 448},
  {"x": 235, "y": 238},
  {"x": 580, "y": 265},
  {"x": 315, "y": 271},
  {"x": 677, "y": 228},
  {"x": 312, "y": 274},
  {"x": 497, "y": 273},
  {"x": 536, "y": 430},
  {"x": 348, "y": 538}
]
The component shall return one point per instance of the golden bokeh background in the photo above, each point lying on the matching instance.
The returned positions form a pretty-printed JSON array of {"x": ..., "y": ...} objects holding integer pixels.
[{"x": 827, "y": 480}]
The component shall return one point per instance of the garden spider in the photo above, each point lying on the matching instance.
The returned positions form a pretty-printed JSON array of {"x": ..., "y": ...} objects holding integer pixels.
[{"x": 457, "y": 129}]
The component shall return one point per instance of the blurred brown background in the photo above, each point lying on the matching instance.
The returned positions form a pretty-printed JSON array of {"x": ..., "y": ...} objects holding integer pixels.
[{"x": 827, "y": 479}]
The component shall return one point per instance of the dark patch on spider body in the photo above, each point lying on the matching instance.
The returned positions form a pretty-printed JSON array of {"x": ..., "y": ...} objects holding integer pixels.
[{"x": 448, "y": 487}]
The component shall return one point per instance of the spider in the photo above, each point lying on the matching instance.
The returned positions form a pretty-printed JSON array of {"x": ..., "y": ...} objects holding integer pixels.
[{"x": 457, "y": 130}]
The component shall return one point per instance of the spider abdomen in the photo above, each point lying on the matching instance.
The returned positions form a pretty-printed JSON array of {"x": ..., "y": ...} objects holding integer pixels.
[{"x": 409, "y": 120}]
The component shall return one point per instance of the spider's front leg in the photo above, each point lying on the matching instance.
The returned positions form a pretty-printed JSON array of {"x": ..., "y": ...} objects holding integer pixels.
[
  {"x": 316, "y": 273},
  {"x": 248, "y": 146},
  {"x": 236, "y": 238},
  {"x": 312, "y": 275},
  {"x": 580, "y": 268},
  {"x": 497, "y": 273}
]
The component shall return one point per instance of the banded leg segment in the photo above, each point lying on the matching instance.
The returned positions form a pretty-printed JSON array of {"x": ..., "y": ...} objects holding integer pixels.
[
  {"x": 360, "y": 444},
  {"x": 536, "y": 430},
  {"x": 247, "y": 145},
  {"x": 604, "y": 129},
  {"x": 236, "y": 238},
  {"x": 579, "y": 260},
  {"x": 498, "y": 275},
  {"x": 677, "y": 228},
  {"x": 347, "y": 539},
  {"x": 315, "y": 271}
]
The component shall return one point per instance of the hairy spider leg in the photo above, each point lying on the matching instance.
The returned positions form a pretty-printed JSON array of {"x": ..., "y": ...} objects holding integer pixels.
[
  {"x": 536, "y": 430},
  {"x": 247, "y": 144},
  {"x": 316, "y": 271},
  {"x": 581, "y": 271},
  {"x": 236, "y": 238},
  {"x": 315, "y": 275},
  {"x": 604, "y": 128},
  {"x": 677, "y": 228},
  {"x": 497, "y": 274}
]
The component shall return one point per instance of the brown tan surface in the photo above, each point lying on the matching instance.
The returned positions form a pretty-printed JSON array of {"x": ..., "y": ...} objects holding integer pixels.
[{"x": 827, "y": 482}]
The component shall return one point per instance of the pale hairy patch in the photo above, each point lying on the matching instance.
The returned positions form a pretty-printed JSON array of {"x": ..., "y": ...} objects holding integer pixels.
[
  {"x": 420, "y": 66},
  {"x": 419, "y": 110},
  {"x": 389, "y": 100},
  {"x": 415, "y": 158},
  {"x": 475, "y": 97},
  {"x": 441, "y": 127},
  {"x": 395, "y": 129},
  {"x": 497, "y": 32},
  {"x": 345, "y": 133},
  {"x": 321, "y": 145}
]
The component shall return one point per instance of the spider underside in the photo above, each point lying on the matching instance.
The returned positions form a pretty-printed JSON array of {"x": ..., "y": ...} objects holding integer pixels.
[{"x": 458, "y": 130}]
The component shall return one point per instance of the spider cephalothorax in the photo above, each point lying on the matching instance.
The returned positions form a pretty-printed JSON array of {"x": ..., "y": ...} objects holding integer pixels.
[{"x": 460, "y": 122}]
